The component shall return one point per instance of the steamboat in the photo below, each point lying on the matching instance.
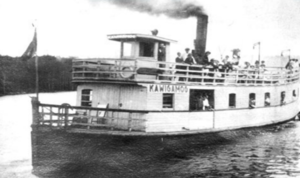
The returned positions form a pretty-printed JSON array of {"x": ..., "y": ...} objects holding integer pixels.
[{"x": 143, "y": 93}]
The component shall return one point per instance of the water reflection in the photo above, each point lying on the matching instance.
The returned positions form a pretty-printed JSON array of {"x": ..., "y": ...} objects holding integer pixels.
[{"x": 264, "y": 152}]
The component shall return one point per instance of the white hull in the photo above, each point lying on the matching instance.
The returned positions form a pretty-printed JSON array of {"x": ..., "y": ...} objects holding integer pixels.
[
  {"x": 212, "y": 121},
  {"x": 181, "y": 120}
]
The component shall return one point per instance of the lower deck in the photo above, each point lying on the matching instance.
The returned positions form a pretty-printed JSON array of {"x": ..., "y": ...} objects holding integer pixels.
[
  {"x": 157, "y": 109},
  {"x": 159, "y": 123}
]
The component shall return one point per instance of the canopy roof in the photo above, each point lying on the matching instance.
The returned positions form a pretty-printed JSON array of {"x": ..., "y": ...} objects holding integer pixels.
[{"x": 138, "y": 37}]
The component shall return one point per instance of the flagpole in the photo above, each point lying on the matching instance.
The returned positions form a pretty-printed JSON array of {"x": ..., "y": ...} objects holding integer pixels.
[
  {"x": 36, "y": 77},
  {"x": 36, "y": 69},
  {"x": 259, "y": 52}
]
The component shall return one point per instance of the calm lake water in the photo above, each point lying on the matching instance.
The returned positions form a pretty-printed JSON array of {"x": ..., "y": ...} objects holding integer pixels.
[{"x": 272, "y": 151}]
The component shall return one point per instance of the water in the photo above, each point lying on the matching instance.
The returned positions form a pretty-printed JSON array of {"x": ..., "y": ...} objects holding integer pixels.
[{"x": 262, "y": 152}]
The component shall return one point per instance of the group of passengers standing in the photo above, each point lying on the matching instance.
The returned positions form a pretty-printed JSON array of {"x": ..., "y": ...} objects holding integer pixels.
[
  {"x": 247, "y": 73},
  {"x": 193, "y": 58}
]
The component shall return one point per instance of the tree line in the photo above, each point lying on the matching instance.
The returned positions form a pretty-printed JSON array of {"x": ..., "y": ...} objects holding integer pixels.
[{"x": 18, "y": 75}]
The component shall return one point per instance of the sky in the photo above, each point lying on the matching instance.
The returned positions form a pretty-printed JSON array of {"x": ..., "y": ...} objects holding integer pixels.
[{"x": 79, "y": 28}]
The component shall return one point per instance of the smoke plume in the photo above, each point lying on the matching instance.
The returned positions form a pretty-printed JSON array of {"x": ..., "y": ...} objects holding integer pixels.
[{"x": 172, "y": 8}]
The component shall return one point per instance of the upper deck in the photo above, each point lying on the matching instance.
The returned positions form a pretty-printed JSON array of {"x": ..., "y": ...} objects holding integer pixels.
[
  {"x": 146, "y": 59},
  {"x": 134, "y": 71}
]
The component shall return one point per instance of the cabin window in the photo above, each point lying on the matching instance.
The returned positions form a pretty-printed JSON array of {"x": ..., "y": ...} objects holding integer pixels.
[
  {"x": 267, "y": 99},
  {"x": 146, "y": 49},
  {"x": 86, "y": 97},
  {"x": 127, "y": 49},
  {"x": 168, "y": 100},
  {"x": 252, "y": 102},
  {"x": 282, "y": 97},
  {"x": 232, "y": 100}
]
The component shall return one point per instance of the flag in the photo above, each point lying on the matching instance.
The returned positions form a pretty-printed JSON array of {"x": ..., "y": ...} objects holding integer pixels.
[
  {"x": 255, "y": 44},
  {"x": 31, "y": 49}
]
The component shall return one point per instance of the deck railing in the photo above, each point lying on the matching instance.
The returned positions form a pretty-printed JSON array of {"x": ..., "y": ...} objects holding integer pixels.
[
  {"x": 65, "y": 117},
  {"x": 135, "y": 70}
]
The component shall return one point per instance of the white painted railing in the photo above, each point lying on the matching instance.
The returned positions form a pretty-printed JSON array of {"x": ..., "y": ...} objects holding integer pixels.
[{"x": 143, "y": 70}]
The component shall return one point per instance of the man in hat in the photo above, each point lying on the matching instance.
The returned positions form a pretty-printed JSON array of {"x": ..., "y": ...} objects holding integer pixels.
[{"x": 205, "y": 59}]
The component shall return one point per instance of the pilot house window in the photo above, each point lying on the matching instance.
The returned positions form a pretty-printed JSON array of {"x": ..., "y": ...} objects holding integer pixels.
[
  {"x": 168, "y": 100},
  {"x": 146, "y": 49},
  {"x": 86, "y": 97}
]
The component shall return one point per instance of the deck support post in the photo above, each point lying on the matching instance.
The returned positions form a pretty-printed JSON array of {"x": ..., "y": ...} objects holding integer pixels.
[
  {"x": 129, "y": 122},
  {"x": 35, "y": 111}
]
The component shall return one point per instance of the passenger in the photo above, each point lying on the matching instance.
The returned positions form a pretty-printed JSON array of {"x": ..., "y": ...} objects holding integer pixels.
[
  {"x": 180, "y": 68},
  {"x": 252, "y": 103},
  {"x": 200, "y": 103},
  {"x": 211, "y": 62},
  {"x": 211, "y": 67},
  {"x": 216, "y": 64},
  {"x": 251, "y": 74},
  {"x": 247, "y": 65},
  {"x": 229, "y": 67},
  {"x": 236, "y": 56},
  {"x": 185, "y": 55},
  {"x": 161, "y": 56},
  {"x": 206, "y": 103},
  {"x": 257, "y": 64},
  {"x": 267, "y": 101},
  {"x": 205, "y": 59},
  {"x": 263, "y": 65},
  {"x": 161, "y": 52},
  {"x": 179, "y": 58},
  {"x": 189, "y": 59},
  {"x": 196, "y": 57},
  {"x": 289, "y": 65},
  {"x": 221, "y": 69},
  {"x": 243, "y": 73},
  {"x": 295, "y": 63},
  {"x": 225, "y": 60},
  {"x": 216, "y": 67}
]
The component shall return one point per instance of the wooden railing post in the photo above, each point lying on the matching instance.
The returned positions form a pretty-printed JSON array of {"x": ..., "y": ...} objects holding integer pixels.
[
  {"x": 236, "y": 76},
  {"x": 187, "y": 73},
  {"x": 116, "y": 67},
  {"x": 42, "y": 116},
  {"x": 135, "y": 69},
  {"x": 112, "y": 120},
  {"x": 98, "y": 68},
  {"x": 51, "y": 113},
  {"x": 35, "y": 111},
  {"x": 66, "y": 116}
]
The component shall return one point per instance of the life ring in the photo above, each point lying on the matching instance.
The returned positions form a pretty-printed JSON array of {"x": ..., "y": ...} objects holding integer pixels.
[{"x": 128, "y": 72}]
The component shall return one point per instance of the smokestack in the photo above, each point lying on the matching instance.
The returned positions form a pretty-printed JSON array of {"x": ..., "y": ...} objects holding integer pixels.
[{"x": 201, "y": 34}]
